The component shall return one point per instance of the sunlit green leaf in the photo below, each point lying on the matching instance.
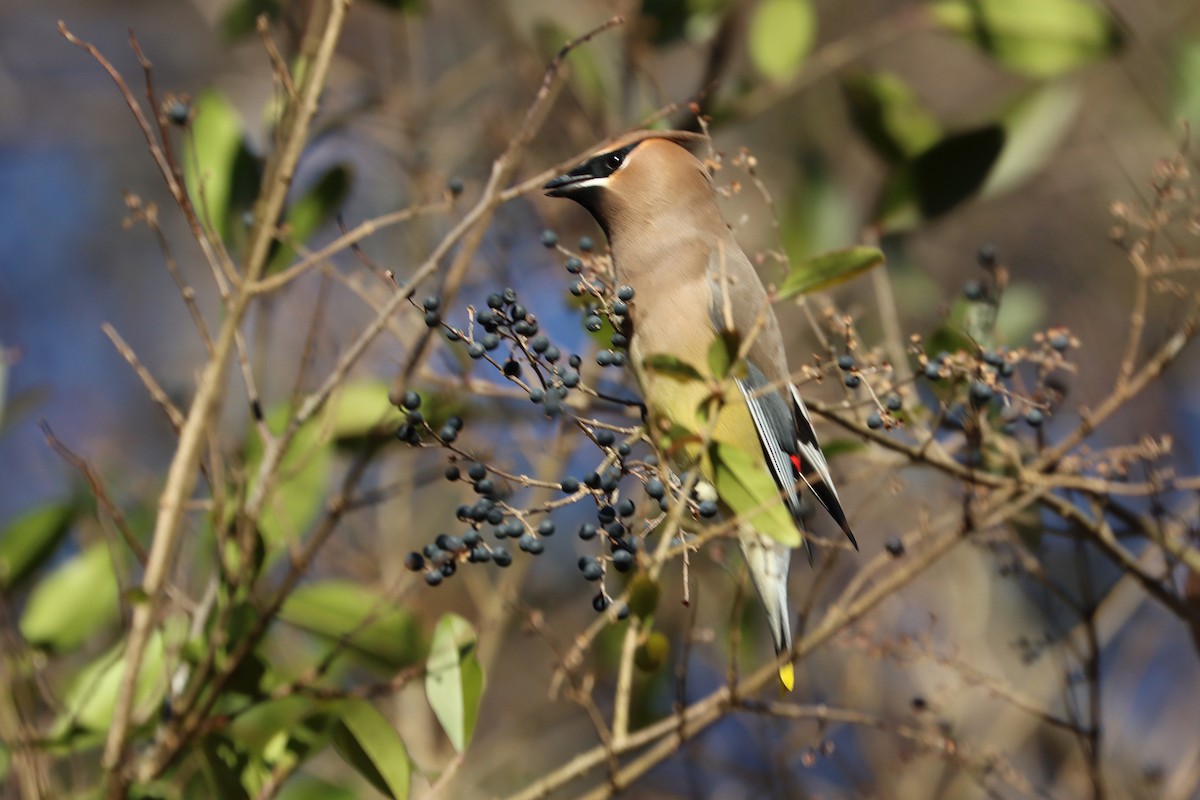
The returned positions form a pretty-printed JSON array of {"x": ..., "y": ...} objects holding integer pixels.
[
  {"x": 359, "y": 616},
  {"x": 671, "y": 367},
  {"x": 887, "y": 113},
  {"x": 1039, "y": 38},
  {"x": 220, "y": 172},
  {"x": 369, "y": 743},
  {"x": 454, "y": 679},
  {"x": 828, "y": 270},
  {"x": 361, "y": 408},
  {"x": 1034, "y": 127},
  {"x": 745, "y": 485},
  {"x": 840, "y": 447},
  {"x": 320, "y": 204},
  {"x": 75, "y": 602},
  {"x": 91, "y": 698},
  {"x": 781, "y": 35},
  {"x": 299, "y": 489},
  {"x": 723, "y": 353},
  {"x": 27, "y": 541}
]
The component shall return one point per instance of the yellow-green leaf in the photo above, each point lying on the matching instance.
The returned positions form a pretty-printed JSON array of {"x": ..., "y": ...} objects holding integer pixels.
[
  {"x": 746, "y": 486},
  {"x": 723, "y": 353},
  {"x": 1038, "y": 38},
  {"x": 828, "y": 270},
  {"x": 454, "y": 679},
  {"x": 781, "y": 35},
  {"x": 299, "y": 488},
  {"x": 92, "y": 696},
  {"x": 357, "y": 615},
  {"x": 361, "y": 408},
  {"x": 370, "y": 744},
  {"x": 75, "y": 602},
  {"x": 1186, "y": 100}
]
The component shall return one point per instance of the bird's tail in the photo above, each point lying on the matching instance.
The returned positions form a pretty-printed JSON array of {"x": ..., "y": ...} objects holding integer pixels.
[{"x": 768, "y": 561}]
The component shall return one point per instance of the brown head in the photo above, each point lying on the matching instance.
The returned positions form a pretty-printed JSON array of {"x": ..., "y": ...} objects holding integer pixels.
[{"x": 642, "y": 178}]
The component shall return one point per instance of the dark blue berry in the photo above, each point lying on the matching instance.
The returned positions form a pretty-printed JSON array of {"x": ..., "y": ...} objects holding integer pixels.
[
  {"x": 625, "y": 508},
  {"x": 655, "y": 488},
  {"x": 874, "y": 421},
  {"x": 593, "y": 323},
  {"x": 476, "y": 471},
  {"x": 708, "y": 509},
  {"x": 894, "y": 546},
  {"x": 414, "y": 562},
  {"x": 455, "y": 186},
  {"x": 600, "y": 602},
  {"x": 549, "y": 238},
  {"x": 501, "y": 556},
  {"x": 893, "y": 402},
  {"x": 852, "y": 381},
  {"x": 625, "y": 293},
  {"x": 574, "y": 265},
  {"x": 452, "y": 473},
  {"x": 623, "y": 560},
  {"x": 433, "y": 578},
  {"x": 845, "y": 362},
  {"x": 587, "y": 531},
  {"x": 430, "y": 303},
  {"x": 1034, "y": 417},
  {"x": 545, "y": 528}
]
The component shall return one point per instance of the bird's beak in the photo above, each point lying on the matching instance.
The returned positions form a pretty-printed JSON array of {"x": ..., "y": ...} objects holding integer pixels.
[{"x": 562, "y": 185}]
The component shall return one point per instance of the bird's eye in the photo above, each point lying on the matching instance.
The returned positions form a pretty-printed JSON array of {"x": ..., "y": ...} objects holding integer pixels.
[{"x": 613, "y": 161}]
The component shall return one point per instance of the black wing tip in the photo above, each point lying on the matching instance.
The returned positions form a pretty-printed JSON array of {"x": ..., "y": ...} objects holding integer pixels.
[{"x": 850, "y": 535}]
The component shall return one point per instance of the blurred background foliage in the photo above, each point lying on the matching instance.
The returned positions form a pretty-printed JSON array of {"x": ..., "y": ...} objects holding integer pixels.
[{"x": 927, "y": 128}]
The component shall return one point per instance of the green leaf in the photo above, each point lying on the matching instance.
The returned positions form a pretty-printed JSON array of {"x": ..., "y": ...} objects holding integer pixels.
[
  {"x": 75, "y": 602},
  {"x": 5, "y": 761},
  {"x": 671, "y": 367},
  {"x": 407, "y": 6},
  {"x": 586, "y": 74},
  {"x": 1038, "y": 38},
  {"x": 887, "y": 113},
  {"x": 828, "y": 270},
  {"x": 723, "y": 353},
  {"x": 91, "y": 698},
  {"x": 364, "y": 619},
  {"x": 216, "y": 159},
  {"x": 361, "y": 408},
  {"x": 781, "y": 35},
  {"x": 454, "y": 679},
  {"x": 232, "y": 770},
  {"x": 941, "y": 178},
  {"x": 299, "y": 489},
  {"x": 304, "y": 216},
  {"x": 746, "y": 486},
  {"x": 369, "y": 743},
  {"x": 242, "y": 17},
  {"x": 1185, "y": 103},
  {"x": 27, "y": 541},
  {"x": 1034, "y": 127},
  {"x": 840, "y": 447}
]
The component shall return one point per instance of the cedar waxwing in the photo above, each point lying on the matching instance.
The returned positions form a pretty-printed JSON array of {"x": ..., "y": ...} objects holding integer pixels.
[{"x": 656, "y": 204}]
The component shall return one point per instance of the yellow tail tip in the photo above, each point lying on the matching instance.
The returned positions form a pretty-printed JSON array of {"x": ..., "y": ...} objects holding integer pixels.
[{"x": 787, "y": 676}]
